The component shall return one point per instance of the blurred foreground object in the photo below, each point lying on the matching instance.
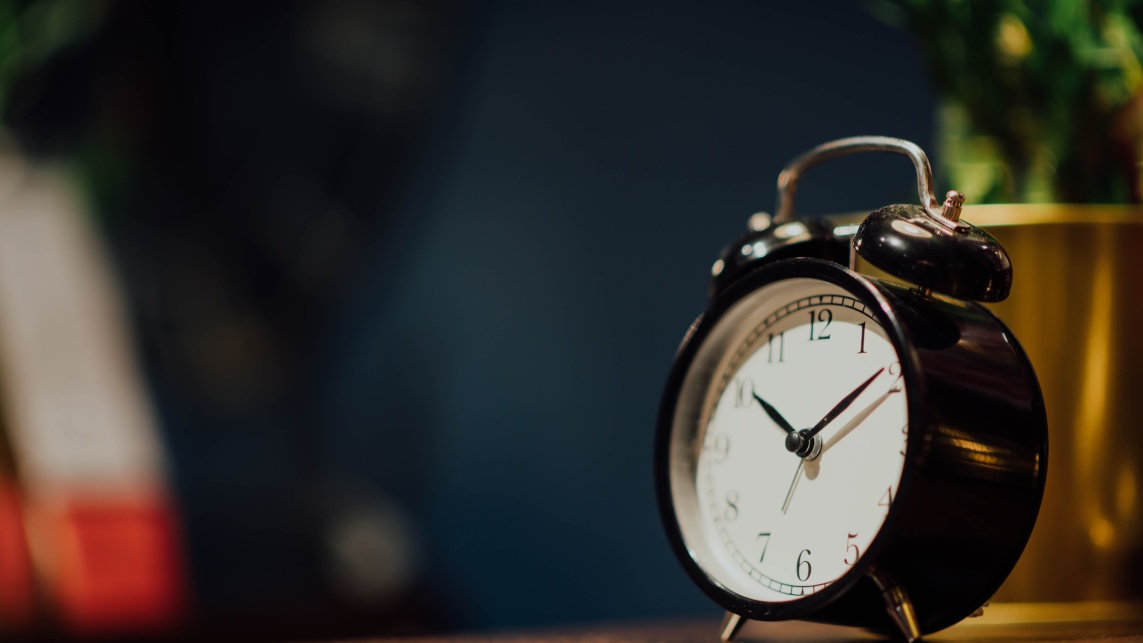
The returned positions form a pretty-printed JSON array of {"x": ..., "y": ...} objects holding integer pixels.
[
  {"x": 89, "y": 536},
  {"x": 243, "y": 167},
  {"x": 1040, "y": 100},
  {"x": 101, "y": 528}
]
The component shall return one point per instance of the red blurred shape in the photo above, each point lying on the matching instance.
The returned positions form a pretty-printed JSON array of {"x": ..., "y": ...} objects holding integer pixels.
[
  {"x": 118, "y": 566},
  {"x": 17, "y": 588}
]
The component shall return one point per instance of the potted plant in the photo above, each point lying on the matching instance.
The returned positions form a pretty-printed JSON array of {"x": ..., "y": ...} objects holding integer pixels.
[{"x": 1041, "y": 110}]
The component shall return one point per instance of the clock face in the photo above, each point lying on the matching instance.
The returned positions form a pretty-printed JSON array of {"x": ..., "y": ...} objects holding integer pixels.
[{"x": 771, "y": 516}]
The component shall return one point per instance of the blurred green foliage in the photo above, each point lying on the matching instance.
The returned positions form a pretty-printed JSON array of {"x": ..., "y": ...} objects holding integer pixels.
[
  {"x": 1039, "y": 99},
  {"x": 33, "y": 31}
]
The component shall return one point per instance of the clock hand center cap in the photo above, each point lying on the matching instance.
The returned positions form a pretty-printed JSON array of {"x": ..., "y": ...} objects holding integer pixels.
[{"x": 802, "y": 446}]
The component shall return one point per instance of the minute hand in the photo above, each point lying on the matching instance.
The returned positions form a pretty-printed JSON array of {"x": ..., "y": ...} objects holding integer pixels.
[{"x": 841, "y": 406}]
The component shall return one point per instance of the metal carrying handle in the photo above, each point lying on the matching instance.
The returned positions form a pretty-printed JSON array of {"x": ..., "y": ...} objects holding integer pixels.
[{"x": 788, "y": 179}]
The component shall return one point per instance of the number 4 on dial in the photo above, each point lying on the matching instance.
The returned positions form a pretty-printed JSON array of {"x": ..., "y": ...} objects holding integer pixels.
[{"x": 886, "y": 499}]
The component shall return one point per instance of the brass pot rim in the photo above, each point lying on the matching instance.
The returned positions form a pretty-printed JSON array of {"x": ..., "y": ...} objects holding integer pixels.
[
  {"x": 1030, "y": 214},
  {"x": 1012, "y": 214}
]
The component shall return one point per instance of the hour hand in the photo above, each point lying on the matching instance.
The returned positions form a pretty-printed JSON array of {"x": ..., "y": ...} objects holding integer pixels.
[{"x": 775, "y": 415}]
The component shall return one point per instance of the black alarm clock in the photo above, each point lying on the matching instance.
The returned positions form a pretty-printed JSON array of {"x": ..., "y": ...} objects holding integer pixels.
[{"x": 848, "y": 450}]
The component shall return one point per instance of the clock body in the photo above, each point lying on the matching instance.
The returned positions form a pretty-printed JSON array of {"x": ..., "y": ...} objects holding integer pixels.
[{"x": 929, "y": 478}]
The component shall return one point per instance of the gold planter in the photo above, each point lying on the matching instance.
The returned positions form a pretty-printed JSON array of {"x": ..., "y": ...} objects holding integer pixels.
[{"x": 1077, "y": 308}]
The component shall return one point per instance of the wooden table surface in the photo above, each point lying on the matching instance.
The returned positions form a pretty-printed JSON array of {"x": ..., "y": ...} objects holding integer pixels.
[{"x": 1076, "y": 622}]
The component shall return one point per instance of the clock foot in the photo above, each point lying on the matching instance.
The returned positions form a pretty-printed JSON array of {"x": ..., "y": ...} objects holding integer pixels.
[
  {"x": 899, "y": 606},
  {"x": 731, "y": 623}
]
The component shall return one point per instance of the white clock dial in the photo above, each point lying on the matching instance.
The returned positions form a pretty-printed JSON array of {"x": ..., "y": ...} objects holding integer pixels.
[{"x": 796, "y": 355}]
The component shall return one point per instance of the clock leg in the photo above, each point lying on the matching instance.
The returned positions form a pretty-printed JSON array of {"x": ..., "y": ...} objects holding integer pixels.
[
  {"x": 731, "y": 623},
  {"x": 898, "y": 605}
]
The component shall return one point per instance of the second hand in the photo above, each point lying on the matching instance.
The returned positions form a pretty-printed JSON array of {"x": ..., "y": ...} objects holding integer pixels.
[{"x": 793, "y": 485}]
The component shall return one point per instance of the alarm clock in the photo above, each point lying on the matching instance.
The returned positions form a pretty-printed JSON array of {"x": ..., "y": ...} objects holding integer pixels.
[{"x": 842, "y": 449}]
